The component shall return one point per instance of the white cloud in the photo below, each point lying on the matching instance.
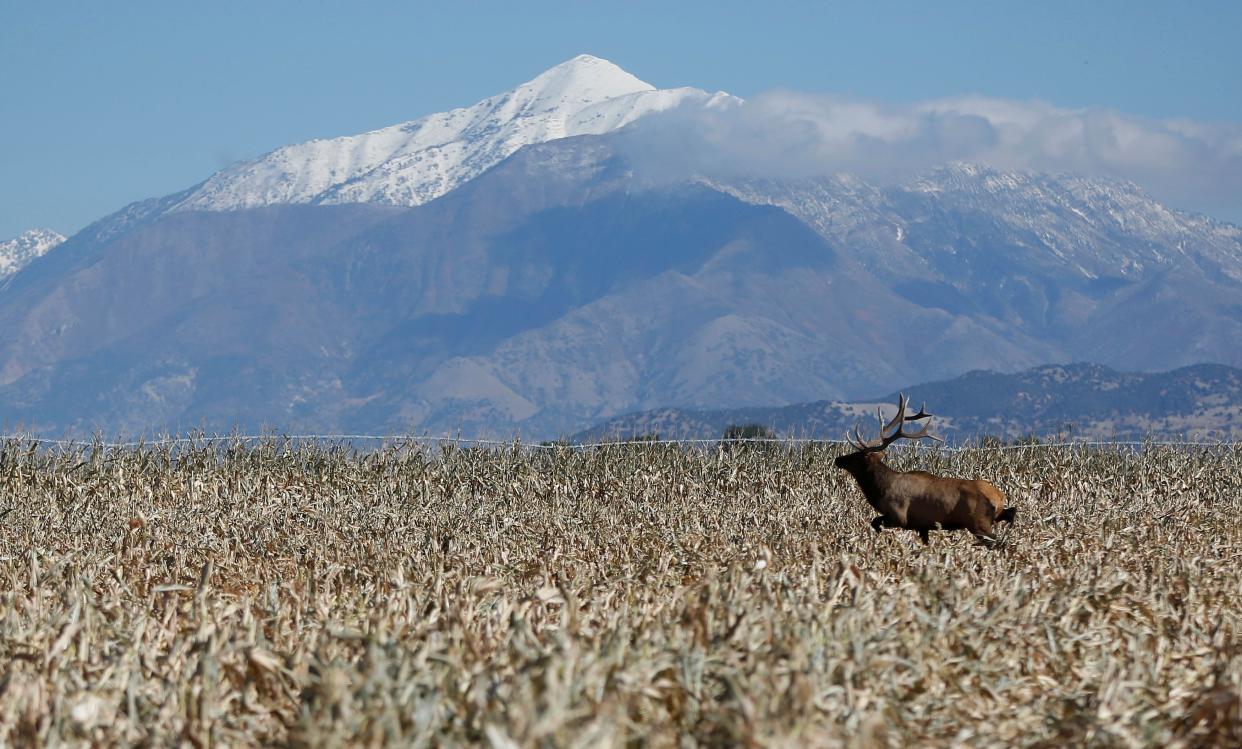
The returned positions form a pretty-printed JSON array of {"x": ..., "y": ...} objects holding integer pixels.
[{"x": 1191, "y": 165}]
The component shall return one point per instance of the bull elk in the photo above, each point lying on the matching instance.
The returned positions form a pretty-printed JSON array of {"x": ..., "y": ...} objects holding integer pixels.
[{"x": 918, "y": 500}]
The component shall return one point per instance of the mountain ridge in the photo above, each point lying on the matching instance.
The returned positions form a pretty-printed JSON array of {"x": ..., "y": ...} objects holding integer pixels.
[
  {"x": 1079, "y": 401},
  {"x": 419, "y": 160}
]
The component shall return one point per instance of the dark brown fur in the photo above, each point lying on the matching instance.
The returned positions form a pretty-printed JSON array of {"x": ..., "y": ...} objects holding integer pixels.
[{"x": 919, "y": 501}]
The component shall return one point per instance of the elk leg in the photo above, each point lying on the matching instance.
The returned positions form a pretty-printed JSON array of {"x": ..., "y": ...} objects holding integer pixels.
[
  {"x": 982, "y": 530},
  {"x": 878, "y": 523},
  {"x": 925, "y": 536},
  {"x": 986, "y": 540},
  {"x": 983, "y": 525}
]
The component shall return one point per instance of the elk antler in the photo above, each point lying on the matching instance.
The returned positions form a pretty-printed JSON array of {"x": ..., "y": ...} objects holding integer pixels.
[{"x": 886, "y": 437}]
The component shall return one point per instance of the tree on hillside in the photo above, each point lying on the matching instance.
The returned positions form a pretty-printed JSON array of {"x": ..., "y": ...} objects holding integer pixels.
[{"x": 741, "y": 434}]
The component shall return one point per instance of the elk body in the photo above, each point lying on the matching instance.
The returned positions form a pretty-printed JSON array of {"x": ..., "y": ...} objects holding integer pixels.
[{"x": 918, "y": 500}]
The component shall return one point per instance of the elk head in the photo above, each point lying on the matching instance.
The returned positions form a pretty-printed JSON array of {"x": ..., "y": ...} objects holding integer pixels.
[{"x": 868, "y": 453}]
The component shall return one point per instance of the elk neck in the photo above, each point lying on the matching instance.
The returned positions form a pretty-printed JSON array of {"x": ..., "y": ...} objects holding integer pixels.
[{"x": 874, "y": 478}]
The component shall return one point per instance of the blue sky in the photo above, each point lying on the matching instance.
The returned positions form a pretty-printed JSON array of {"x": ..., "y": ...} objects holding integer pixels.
[{"x": 102, "y": 104}]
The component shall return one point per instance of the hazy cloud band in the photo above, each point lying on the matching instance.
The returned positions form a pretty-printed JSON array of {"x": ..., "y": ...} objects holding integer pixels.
[{"x": 1190, "y": 165}]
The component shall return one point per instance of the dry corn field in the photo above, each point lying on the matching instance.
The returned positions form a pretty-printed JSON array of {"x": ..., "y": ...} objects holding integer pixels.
[{"x": 231, "y": 595}]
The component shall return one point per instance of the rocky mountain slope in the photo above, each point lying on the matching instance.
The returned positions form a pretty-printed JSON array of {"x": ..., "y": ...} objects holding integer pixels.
[
  {"x": 1058, "y": 402},
  {"x": 1096, "y": 266}
]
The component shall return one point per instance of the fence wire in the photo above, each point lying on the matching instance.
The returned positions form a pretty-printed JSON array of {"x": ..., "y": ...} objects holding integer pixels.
[{"x": 206, "y": 440}]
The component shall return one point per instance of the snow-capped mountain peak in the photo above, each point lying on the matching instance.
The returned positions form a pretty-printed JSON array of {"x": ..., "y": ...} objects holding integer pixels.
[
  {"x": 583, "y": 80},
  {"x": 417, "y": 161},
  {"x": 17, "y": 252}
]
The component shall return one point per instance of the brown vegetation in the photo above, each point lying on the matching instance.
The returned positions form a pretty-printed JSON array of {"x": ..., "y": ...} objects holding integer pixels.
[{"x": 645, "y": 594}]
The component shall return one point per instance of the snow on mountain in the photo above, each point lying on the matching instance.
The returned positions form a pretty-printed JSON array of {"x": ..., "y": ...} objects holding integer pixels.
[
  {"x": 1096, "y": 228},
  {"x": 417, "y": 161},
  {"x": 17, "y": 252},
  {"x": 1080, "y": 220}
]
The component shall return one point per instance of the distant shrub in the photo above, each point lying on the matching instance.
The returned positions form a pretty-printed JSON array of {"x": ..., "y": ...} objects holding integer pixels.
[
  {"x": 649, "y": 437},
  {"x": 738, "y": 434}
]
